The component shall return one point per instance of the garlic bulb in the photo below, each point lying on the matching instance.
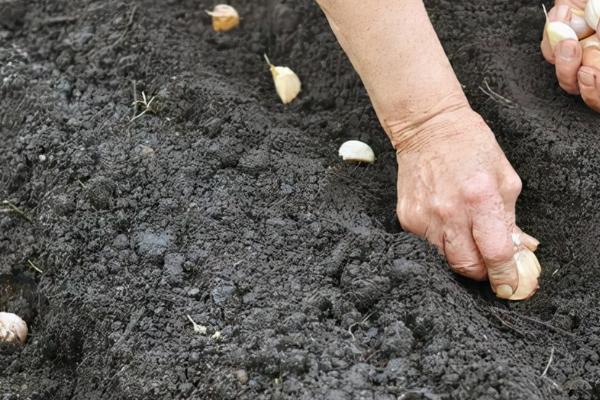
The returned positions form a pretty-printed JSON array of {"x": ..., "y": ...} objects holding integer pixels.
[
  {"x": 224, "y": 18},
  {"x": 558, "y": 31},
  {"x": 529, "y": 270},
  {"x": 354, "y": 150},
  {"x": 579, "y": 24},
  {"x": 12, "y": 328},
  {"x": 592, "y": 13},
  {"x": 287, "y": 83}
]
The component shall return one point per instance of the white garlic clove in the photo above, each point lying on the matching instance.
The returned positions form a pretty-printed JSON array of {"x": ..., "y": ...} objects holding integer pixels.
[
  {"x": 529, "y": 270},
  {"x": 287, "y": 83},
  {"x": 355, "y": 150},
  {"x": 592, "y": 13},
  {"x": 12, "y": 328},
  {"x": 558, "y": 31},
  {"x": 224, "y": 18},
  {"x": 579, "y": 24}
]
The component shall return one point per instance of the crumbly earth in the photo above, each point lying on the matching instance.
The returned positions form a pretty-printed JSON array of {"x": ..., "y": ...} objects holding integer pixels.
[{"x": 223, "y": 205}]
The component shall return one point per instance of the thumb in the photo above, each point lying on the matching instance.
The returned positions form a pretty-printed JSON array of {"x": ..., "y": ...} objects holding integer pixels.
[{"x": 493, "y": 236}]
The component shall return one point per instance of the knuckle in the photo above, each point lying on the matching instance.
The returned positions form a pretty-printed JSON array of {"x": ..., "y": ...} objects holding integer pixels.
[
  {"x": 513, "y": 183},
  {"x": 499, "y": 256},
  {"x": 470, "y": 270},
  {"x": 479, "y": 189},
  {"x": 409, "y": 219},
  {"x": 445, "y": 210}
]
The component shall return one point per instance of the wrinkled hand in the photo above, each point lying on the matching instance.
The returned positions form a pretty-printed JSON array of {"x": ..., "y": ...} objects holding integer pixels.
[
  {"x": 457, "y": 189},
  {"x": 577, "y": 65}
]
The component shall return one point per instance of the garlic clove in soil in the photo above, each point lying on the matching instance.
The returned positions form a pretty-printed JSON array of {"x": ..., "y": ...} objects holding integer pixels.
[
  {"x": 355, "y": 150},
  {"x": 529, "y": 270},
  {"x": 12, "y": 328},
  {"x": 558, "y": 31},
  {"x": 579, "y": 24},
  {"x": 592, "y": 13},
  {"x": 224, "y": 18},
  {"x": 287, "y": 83}
]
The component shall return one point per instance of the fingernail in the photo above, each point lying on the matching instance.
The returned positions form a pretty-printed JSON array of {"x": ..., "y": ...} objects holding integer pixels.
[
  {"x": 504, "y": 291},
  {"x": 566, "y": 50},
  {"x": 562, "y": 13},
  {"x": 586, "y": 79}
]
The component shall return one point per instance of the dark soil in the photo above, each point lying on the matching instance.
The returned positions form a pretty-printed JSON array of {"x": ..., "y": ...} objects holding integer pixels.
[{"x": 230, "y": 208}]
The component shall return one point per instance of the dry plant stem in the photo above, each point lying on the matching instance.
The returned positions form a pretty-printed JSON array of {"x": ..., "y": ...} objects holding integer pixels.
[
  {"x": 549, "y": 362},
  {"x": 147, "y": 106},
  {"x": 410, "y": 79},
  {"x": 35, "y": 267},
  {"x": 12, "y": 208}
]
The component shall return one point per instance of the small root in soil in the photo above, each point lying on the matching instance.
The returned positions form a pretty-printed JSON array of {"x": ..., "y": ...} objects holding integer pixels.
[
  {"x": 9, "y": 207},
  {"x": 147, "y": 106},
  {"x": 34, "y": 267}
]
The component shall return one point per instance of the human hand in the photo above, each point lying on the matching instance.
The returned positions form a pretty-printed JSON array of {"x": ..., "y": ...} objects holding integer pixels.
[
  {"x": 577, "y": 63},
  {"x": 457, "y": 189}
]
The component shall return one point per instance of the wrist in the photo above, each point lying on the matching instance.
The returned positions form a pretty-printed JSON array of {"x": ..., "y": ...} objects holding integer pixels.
[{"x": 418, "y": 130}]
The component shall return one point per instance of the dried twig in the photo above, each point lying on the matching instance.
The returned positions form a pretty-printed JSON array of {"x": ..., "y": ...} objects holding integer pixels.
[
  {"x": 35, "y": 267},
  {"x": 549, "y": 362},
  {"x": 10, "y": 207},
  {"x": 147, "y": 106},
  {"x": 535, "y": 321},
  {"x": 498, "y": 98}
]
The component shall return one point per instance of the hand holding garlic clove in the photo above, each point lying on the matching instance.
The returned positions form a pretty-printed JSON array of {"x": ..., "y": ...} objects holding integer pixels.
[{"x": 571, "y": 43}]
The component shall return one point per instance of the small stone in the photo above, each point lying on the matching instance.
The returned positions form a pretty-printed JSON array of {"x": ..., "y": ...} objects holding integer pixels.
[
  {"x": 242, "y": 376},
  {"x": 222, "y": 293},
  {"x": 153, "y": 244},
  {"x": 100, "y": 192},
  {"x": 121, "y": 242},
  {"x": 145, "y": 150}
]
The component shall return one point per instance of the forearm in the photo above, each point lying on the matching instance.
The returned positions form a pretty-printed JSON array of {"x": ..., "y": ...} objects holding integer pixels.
[{"x": 395, "y": 50}]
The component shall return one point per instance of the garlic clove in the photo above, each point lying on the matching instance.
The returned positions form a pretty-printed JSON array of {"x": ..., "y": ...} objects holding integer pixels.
[
  {"x": 529, "y": 270},
  {"x": 558, "y": 31},
  {"x": 355, "y": 150},
  {"x": 579, "y": 24},
  {"x": 12, "y": 328},
  {"x": 592, "y": 13},
  {"x": 224, "y": 18},
  {"x": 287, "y": 83}
]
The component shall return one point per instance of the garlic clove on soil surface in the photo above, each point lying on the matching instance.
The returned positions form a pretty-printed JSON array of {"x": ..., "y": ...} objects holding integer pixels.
[
  {"x": 529, "y": 270},
  {"x": 12, "y": 328},
  {"x": 287, "y": 83},
  {"x": 224, "y": 18},
  {"x": 592, "y": 13},
  {"x": 355, "y": 150}
]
